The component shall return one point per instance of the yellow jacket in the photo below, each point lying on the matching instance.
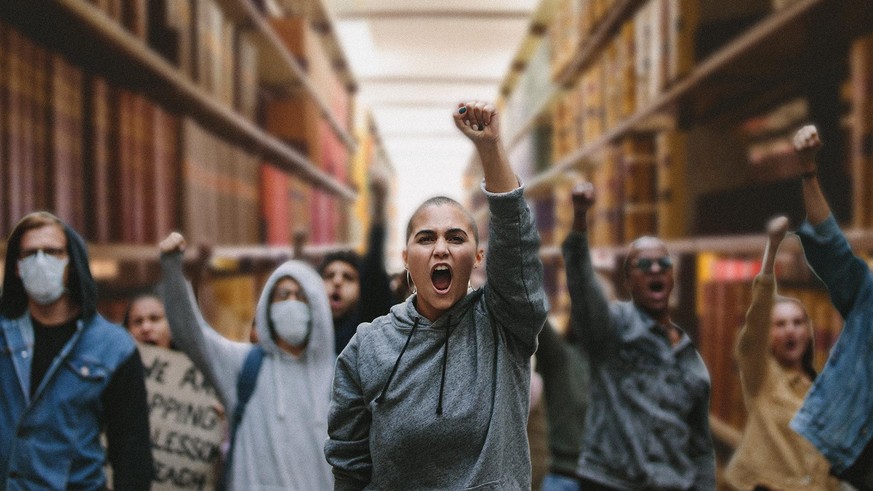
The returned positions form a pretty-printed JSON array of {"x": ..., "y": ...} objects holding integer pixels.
[{"x": 770, "y": 453}]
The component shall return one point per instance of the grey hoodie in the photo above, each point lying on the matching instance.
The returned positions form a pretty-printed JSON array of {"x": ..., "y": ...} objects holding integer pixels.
[
  {"x": 279, "y": 441},
  {"x": 444, "y": 405}
]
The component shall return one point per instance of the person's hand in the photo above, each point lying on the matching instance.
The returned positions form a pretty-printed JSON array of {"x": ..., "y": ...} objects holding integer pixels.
[
  {"x": 378, "y": 183},
  {"x": 583, "y": 198},
  {"x": 777, "y": 228},
  {"x": 477, "y": 121},
  {"x": 807, "y": 144},
  {"x": 173, "y": 243}
]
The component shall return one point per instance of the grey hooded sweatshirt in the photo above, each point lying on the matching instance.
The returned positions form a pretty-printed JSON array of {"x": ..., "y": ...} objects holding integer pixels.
[
  {"x": 444, "y": 405},
  {"x": 279, "y": 441}
]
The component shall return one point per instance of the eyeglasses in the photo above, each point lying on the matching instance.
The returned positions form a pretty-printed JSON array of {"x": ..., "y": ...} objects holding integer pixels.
[
  {"x": 48, "y": 251},
  {"x": 645, "y": 263}
]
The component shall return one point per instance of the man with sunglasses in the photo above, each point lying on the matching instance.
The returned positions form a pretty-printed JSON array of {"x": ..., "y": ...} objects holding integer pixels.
[{"x": 647, "y": 423}]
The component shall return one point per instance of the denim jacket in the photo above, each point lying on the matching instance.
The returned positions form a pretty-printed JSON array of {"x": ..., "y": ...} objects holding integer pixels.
[
  {"x": 647, "y": 425},
  {"x": 837, "y": 415},
  {"x": 52, "y": 440}
]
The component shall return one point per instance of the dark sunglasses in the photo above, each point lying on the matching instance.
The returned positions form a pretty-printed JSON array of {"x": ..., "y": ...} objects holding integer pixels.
[{"x": 645, "y": 263}]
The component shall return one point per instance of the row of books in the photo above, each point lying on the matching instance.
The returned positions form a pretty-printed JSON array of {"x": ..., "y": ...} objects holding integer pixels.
[
  {"x": 200, "y": 40},
  {"x": 573, "y": 23},
  {"x": 650, "y": 52},
  {"x": 122, "y": 169}
]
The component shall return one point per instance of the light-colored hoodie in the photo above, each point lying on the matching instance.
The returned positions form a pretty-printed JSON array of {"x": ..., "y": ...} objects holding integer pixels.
[
  {"x": 444, "y": 405},
  {"x": 280, "y": 439}
]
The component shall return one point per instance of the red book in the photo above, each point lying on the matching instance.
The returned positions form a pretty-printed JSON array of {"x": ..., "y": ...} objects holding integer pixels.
[
  {"x": 165, "y": 169},
  {"x": 127, "y": 196},
  {"x": 67, "y": 171},
  {"x": 102, "y": 163},
  {"x": 274, "y": 206},
  {"x": 4, "y": 127}
]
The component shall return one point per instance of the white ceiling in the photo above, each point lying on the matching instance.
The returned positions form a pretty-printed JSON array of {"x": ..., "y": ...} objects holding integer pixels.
[{"x": 414, "y": 60}]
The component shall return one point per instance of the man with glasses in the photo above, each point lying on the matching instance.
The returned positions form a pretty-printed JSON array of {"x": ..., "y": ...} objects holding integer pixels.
[
  {"x": 647, "y": 423},
  {"x": 65, "y": 372}
]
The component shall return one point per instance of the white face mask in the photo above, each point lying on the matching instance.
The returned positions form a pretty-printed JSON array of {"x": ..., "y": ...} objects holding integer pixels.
[
  {"x": 292, "y": 321},
  {"x": 43, "y": 277}
]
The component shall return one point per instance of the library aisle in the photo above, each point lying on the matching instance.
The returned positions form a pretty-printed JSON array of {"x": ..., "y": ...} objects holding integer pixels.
[{"x": 248, "y": 124}]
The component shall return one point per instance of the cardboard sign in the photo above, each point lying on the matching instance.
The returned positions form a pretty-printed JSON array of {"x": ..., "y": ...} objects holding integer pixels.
[{"x": 187, "y": 421}]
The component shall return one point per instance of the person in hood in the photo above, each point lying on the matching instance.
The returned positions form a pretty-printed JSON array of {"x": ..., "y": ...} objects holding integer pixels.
[
  {"x": 359, "y": 289},
  {"x": 66, "y": 373},
  {"x": 837, "y": 413},
  {"x": 774, "y": 354},
  {"x": 278, "y": 442},
  {"x": 647, "y": 423},
  {"x": 435, "y": 394}
]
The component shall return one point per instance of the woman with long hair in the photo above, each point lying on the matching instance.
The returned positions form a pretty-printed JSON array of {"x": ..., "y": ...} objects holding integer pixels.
[{"x": 775, "y": 354}]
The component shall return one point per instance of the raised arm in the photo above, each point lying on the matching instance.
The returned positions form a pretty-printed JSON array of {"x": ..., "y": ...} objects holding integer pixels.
[
  {"x": 807, "y": 145},
  {"x": 376, "y": 297},
  {"x": 479, "y": 122},
  {"x": 514, "y": 287},
  {"x": 588, "y": 305},
  {"x": 220, "y": 359},
  {"x": 824, "y": 245},
  {"x": 753, "y": 344}
]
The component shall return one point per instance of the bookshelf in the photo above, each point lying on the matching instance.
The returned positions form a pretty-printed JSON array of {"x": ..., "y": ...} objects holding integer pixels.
[
  {"x": 105, "y": 47},
  {"x": 279, "y": 67},
  {"x": 763, "y": 52},
  {"x": 152, "y": 116},
  {"x": 725, "y": 86}
]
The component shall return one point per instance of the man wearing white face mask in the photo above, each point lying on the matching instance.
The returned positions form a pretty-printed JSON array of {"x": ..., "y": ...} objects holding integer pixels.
[
  {"x": 65, "y": 372},
  {"x": 279, "y": 438}
]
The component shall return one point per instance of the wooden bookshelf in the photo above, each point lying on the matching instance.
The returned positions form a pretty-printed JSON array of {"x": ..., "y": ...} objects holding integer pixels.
[
  {"x": 102, "y": 46},
  {"x": 279, "y": 68},
  {"x": 771, "y": 56},
  {"x": 585, "y": 55}
]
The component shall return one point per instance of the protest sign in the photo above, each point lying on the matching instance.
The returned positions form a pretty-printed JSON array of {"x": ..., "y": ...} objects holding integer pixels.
[{"x": 187, "y": 421}]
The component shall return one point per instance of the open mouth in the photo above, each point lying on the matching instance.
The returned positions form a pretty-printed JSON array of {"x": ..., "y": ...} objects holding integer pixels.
[
  {"x": 335, "y": 299},
  {"x": 657, "y": 286},
  {"x": 441, "y": 277}
]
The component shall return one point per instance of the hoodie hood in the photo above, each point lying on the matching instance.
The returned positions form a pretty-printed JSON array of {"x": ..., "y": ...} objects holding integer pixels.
[
  {"x": 80, "y": 284},
  {"x": 320, "y": 345},
  {"x": 405, "y": 314}
]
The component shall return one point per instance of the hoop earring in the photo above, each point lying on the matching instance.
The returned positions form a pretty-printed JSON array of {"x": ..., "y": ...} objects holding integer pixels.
[{"x": 410, "y": 283}]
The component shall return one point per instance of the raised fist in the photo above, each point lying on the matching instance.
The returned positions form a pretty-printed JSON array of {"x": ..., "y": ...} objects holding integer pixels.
[
  {"x": 777, "y": 228},
  {"x": 583, "y": 197},
  {"x": 173, "y": 243},
  {"x": 807, "y": 144},
  {"x": 477, "y": 121}
]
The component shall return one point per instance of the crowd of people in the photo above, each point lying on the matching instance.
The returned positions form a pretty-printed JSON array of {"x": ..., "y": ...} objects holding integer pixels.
[{"x": 347, "y": 386}]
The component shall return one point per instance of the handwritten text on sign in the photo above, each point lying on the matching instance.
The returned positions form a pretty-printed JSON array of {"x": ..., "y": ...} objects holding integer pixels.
[{"x": 187, "y": 422}]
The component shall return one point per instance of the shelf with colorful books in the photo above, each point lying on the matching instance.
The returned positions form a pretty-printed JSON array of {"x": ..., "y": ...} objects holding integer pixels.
[
  {"x": 280, "y": 68},
  {"x": 105, "y": 48},
  {"x": 772, "y": 54}
]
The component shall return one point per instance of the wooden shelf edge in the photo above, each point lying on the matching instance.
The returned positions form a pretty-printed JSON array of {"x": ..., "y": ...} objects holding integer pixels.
[
  {"x": 755, "y": 36},
  {"x": 258, "y": 20},
  {"x": 593, "y": 45},
  {"x": 178, "y": 93}
]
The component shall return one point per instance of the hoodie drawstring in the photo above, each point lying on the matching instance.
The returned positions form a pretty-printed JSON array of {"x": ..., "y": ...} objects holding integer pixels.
[
  {"x": 397, "y": 363},
  {"x": 439, "y": 410}
]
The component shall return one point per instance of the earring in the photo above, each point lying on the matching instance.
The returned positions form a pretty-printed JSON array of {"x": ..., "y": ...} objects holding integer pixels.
[{"x": 410, "y": 283}]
